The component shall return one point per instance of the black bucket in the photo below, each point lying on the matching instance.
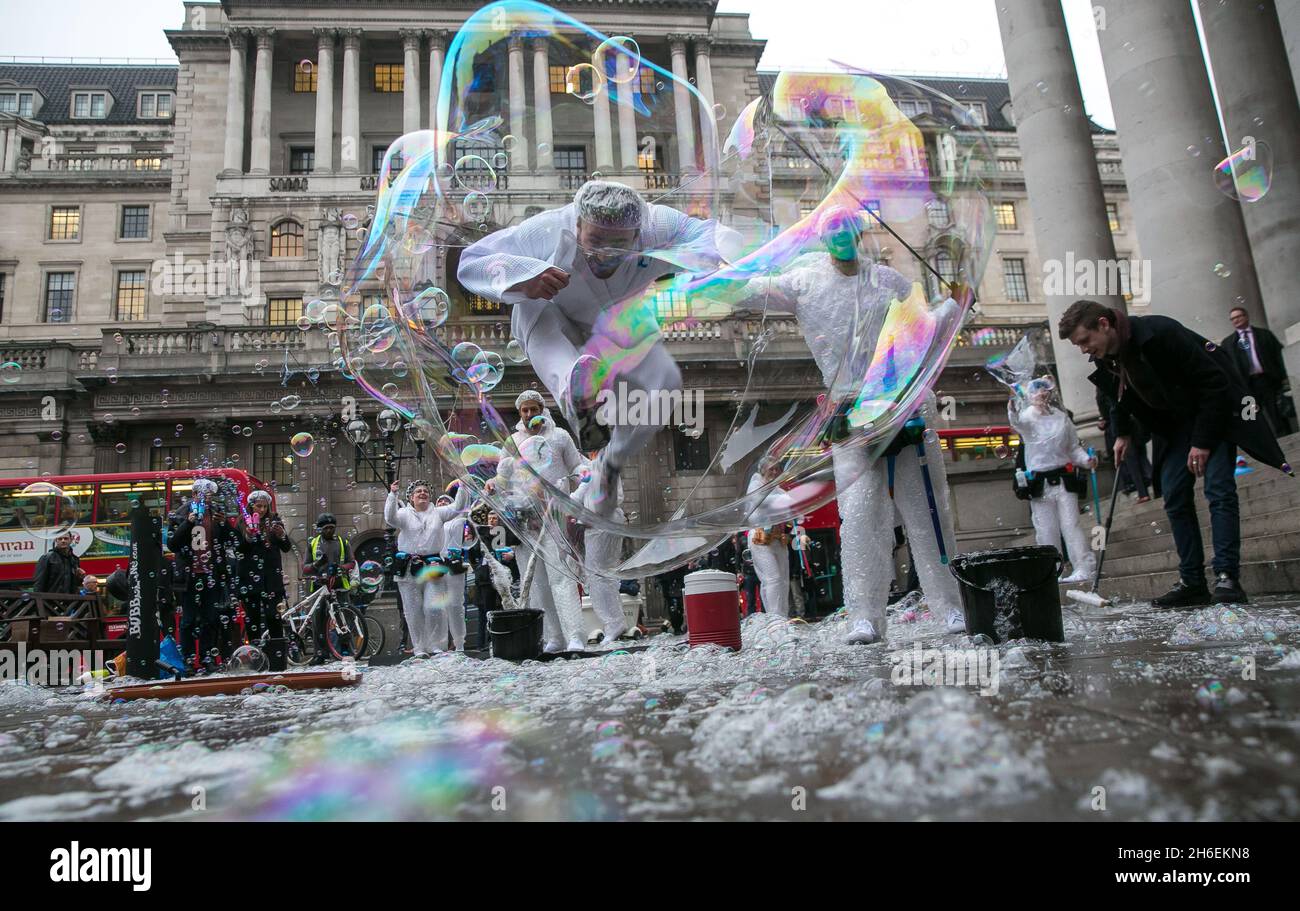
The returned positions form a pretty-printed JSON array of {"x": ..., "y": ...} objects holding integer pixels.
[
  {"x": 516, "y": 635},
  {"x": 1011, "y": 593}
]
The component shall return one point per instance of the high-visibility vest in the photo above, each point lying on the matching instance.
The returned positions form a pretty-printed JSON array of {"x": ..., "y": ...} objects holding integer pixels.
[{"x": 315, "y": 555}]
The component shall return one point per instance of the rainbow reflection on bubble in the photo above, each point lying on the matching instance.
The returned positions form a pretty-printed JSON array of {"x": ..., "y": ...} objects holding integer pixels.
[{"x": 1247, "y": 173}]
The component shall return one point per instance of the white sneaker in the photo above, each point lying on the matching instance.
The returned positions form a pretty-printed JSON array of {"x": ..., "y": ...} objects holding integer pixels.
[
  {"x": 554, "y": 647},
  {"x": 613, "y": 634},
  {"x": 863, "y": 633},
  {"x": 576, "y": 645},
  {"x": 956, "y": 621},
  {"x": 1079, "y": 575}
]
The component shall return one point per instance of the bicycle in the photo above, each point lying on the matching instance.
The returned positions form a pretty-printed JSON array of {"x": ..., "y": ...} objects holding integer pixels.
[{"x": 348, "y": 634}]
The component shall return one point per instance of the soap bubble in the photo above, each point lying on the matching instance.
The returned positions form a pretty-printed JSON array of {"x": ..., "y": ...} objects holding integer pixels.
[
  {"x": 290, "y": 402},
  {"x": 834, "y": 139},
  {"x": 46, "y": 511},
  {"x": 372, "y": 576},
  {"x": 302, "y": 443},
  {"x": 248, "y": 659},
  {"x": 1246, "y": 174},
  {"x": 11, "y": 372}
]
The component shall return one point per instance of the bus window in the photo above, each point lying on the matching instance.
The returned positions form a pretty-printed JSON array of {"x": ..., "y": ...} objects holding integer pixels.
[
  {"x": 117, "y": 499},
  {"x": 9, "y": 508},
  {"x": 32, "y": 510},
  {"x": 77, "y": 504}
]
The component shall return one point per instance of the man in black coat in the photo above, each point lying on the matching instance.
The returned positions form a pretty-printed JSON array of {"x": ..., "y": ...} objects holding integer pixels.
[
  {"x": 59, "y": 571},
  {"x": 1186, "y": 391},
  {"x": 1258, "y": 356}
]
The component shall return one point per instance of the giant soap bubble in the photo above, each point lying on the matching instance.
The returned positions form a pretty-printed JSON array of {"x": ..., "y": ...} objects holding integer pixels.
[{"x": 688, "y": 334}]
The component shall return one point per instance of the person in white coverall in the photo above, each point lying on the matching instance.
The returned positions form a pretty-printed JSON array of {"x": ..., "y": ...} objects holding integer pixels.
[
  {"x": 427, "y": 600},
  {"x": 576, "y": 279},
  {"x": 770, "y": 546},
  {"x": 551, "y": 453},
  {"x": 1051, "y": 443},
  {"x": 603, "y": 551},
  {"x": 829, "y": 293}
]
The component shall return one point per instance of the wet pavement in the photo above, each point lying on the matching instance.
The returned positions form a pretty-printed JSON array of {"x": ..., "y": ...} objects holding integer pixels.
[{"x": 1142, "y": 714}]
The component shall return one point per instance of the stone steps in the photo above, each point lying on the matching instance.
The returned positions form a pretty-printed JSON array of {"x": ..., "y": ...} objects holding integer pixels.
[{"x": 1259, "y": 549}]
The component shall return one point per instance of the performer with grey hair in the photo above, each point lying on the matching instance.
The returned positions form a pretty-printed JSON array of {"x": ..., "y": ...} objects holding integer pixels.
[
  {"x": 427, "y": 601},
  {"x": 576, "y": 278}
]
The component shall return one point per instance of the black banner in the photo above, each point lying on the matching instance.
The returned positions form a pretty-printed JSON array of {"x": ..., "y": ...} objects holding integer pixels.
[{"x": 142, "y": 612}]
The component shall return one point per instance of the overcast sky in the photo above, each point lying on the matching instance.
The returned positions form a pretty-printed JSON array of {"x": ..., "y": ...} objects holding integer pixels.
[{"x": 916, "y": 37}]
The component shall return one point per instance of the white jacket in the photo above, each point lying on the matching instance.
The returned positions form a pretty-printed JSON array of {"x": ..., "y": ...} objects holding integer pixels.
[
  {"x": 1048, "y": 436},
  {"x": 421, "y": 533},
  {"x": 773, "y": 504}
]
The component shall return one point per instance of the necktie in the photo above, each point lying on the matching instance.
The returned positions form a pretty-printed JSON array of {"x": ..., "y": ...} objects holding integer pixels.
[{"x": 1247, "y": 341}]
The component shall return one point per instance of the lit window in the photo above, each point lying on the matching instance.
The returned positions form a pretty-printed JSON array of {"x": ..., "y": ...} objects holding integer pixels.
[
  {"x": 1125, "y": 274},
  {"x": 155, "y": 105},
  {"x": 304, "y": 76},
  {"x": 1006, "y": 213},
  {"x": 389, "y": 78},
  {"x": 59, "y": 290},
  {"x": 65, "y": 222},
  {"x": 131, "y": 301},
  {"x": 1013, "y": 278},
  {"x": 283, "y": 311},
  {"x": 559, "y": 79},
  {"x": 135, "y": 222},
  {"x": 670, "y": 304},
  {"x": 482, "y": 306},
  {"x": 1112, "y": 215},
  {"x": 286, "y": 239},
  {"x": 649, "y": 81}
]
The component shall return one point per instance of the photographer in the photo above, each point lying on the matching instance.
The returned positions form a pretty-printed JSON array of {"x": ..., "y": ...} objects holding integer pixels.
[
  {"x": 263, "y": 541},
  {"x": 203, "y": 543}
]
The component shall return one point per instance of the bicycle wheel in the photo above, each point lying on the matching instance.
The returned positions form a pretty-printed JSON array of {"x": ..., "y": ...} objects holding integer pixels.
[
  {"x": 300, "y": 650},
  {"x": 374, "y": 637},
  {"x": 346, "y": 636}
]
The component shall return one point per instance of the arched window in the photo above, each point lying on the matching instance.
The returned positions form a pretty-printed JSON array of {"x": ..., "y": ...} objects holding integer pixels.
[{"x": 286, "y": 238}]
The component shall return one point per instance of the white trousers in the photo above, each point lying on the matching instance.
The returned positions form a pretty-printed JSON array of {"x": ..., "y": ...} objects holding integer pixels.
[
  {"x": 430, "y": 608},
  {"x": 553, "y": 346},
  {"x": 867, "y": 529},
  {"x": 772, "y": 566},
  {"x": 602, "y": 552},
  {"x": 554, "y": 593},
  {"x": 1056, "y": 515}
]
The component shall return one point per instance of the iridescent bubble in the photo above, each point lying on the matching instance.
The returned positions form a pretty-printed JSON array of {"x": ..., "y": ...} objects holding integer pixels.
[
  {"x": 1246, "y": 174},
  {"x": 46, "y": 511},
  {"x": 11, "y": 372},
  {"x": 584, "y": 82},
  {"x": 477, "y": 206},
  {"x": 509, "y": 141},
  {"x": 431, "y": 307},
  {"x": 473, "y": 172},
  {"x": 302, "y": 444},
  {"x": 350, "y": 221},
  {"x": 486, "y": 370},
  {"x": 372, "y": 576},
  {"x": 290, "y": 402},
  {"x": 121, "y": 448},
  {"x": 1221, "y": 270},
  {"x": 463, "y": 357},
  {"x": 618, "y": 58},
  {"x": 306, "y": 66},
  {"x": 515, "y": 352},
  {"x": 390, "y": 390}
]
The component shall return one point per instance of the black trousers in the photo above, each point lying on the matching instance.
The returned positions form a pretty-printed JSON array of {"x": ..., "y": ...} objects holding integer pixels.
[
  {"x": 1265, "y": 392},
  {"x": 200, "y": 621},
  {"x": 261, "y": 613}
]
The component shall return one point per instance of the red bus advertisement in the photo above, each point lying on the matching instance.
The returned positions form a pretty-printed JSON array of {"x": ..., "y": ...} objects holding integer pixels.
[{"x": 99, "y": 510}]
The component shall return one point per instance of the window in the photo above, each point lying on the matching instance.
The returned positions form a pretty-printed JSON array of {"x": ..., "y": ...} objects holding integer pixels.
[
  {"x": 910, "y": 107},
  {"x": 1124, "y": 267},
  {"x": 91, "y": 105},
  {"x": 577, "y": 81},
  {"x": 572, "y": 159},
  {"x": 59, "y": 290},
  {"x": 302, "y": 160},
  {"x": 937, "y": 212},
  {"x": 304, "y": 76},
  {"x": 377, "y": 154},
  {"x": 131, "y": 299},
  {"x": 155, "y": 105},
  {"x": 559, "y": 79},
  {"x": 485, "y": 78},
  {"x": 286, "y": 239},
  {"x": 148, "y": 160},
  {"x": 118, "y": 498},
  {"x": 691, "y": 455},
  {"x": 946, "y": 266},
  {"x": 389, "y": 78},
  {"x": 649, "y": 81},
  {"x": 135, "y": 223},
  {"x": 20, "y": 103},
  {"x": 482, "y": 306},
  {"x": 976, "y": 112},
  {"x": 368, "y": 463},
  {"x": 283, "y": 311},
  {"x": 1006, "y": 214},
  {"x": 1112, "y": 215},
  {"x": 670, "y": 304},
  {"x": 1013, "y": 278},
  {"x": 273, "y": 464},
  {"x": 647, "y": 159},
  {"x": 169, "y": 458},
  {"x": 65, "y": 222}
]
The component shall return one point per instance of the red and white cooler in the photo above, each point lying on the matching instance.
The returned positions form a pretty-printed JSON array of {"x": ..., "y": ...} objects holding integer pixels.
[{"x": 712, "y": 609}]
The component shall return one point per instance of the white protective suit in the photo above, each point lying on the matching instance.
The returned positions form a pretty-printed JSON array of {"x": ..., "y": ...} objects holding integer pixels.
[
  {"x": 555, "y": 457},
  {"x": 554, "y": 332},
  {"x": 1050, "y": 442},
  {"x": 430, "y": 606},
  {"x": 771, "y": 561},
  {"x": 824, "y": 301},
  {"x": 603, "y": 551}
]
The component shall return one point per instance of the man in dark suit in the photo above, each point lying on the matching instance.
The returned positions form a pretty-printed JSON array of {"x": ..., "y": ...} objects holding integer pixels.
[
  {"x": 1258, "y": 355},
  {"x": 1189, "y": 394}
]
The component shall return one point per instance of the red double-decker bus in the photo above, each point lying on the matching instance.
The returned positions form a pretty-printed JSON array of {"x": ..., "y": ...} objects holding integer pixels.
[{"x": 99, "y": 510}]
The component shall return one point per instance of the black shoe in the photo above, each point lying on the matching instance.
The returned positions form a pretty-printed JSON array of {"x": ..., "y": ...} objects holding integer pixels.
[
  {"x": 1184, "y": 595},
  {"x": 1228, "y": 590}
]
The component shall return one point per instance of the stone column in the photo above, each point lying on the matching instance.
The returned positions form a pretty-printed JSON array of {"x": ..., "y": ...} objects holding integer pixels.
[
  {"x": 600, "y": 118},
  {"x": 519, "y": 156},
  {"x": 324, "y": 100},
  {"x": 1257, "y": 98},
  {"x": 682, "y": 104},
  {"x": 7, "y": 140},
  {"x": 1065, "y": 191},
  {"x": 704, "y": 82},
  {"x": 350, "y": 149},
  {"x": 542, "y": 105},
  {"x": 1169, "y": 137},
  {"x": 437, "y": 56},
  {"x": 627, "y": 140},
  {"x": 261, "y": 144},
  {"x": 235, "y": 108},
  {"x": 411, "y": 79},
  {"x": 1288, "y": 18}
]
